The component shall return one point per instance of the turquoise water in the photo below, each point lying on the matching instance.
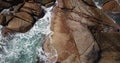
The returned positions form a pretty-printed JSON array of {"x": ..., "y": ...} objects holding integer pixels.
[{"x": 26, "y": 47}]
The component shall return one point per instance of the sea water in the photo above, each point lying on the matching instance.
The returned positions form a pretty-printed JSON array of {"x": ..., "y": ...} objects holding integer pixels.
[{"x": 26, "y": 47}]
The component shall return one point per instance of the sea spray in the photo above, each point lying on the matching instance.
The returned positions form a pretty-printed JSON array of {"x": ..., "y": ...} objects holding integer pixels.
[{"x": 26, "y": 47}]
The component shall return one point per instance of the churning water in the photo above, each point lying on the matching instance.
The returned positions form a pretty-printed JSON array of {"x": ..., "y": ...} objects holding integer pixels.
[{"x": 26, "y": 47}]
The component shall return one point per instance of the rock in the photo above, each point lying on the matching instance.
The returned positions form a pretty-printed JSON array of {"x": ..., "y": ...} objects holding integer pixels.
[
  {"x": 34, "y": 7},
  {"x": 7, "y": 19},
  {"x": 14, "y": 2},
  {"x": 9, "y": 3},
  {"x": 111, "y": 6},
  {"x": 4, "y": 5},
  {"x": 25, "y": 16},
  {"x": 110, "y": 44},
  {"x": 22, "y": 18},
  {"x": 27, "y": 10},
  {"x": 19, "y": 25},
  {"x": 2, "y": 19},
  {"x": 71, "y": 39},
  {"x": 6, "y": 32},
  {"x": 16, "y": 8},
  {"x": 46, "y": 3}
]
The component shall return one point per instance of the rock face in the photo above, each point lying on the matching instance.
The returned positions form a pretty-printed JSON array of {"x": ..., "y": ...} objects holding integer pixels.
[
  {"x": 73, "y": 37},
  {"x": 22, "y": 14},
  {"x": 110, "y": 44},
  {"x": 22, "y": 19}
]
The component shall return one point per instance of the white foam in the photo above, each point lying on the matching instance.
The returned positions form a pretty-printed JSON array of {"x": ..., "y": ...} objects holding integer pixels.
[{"x": 28, "y": 43}]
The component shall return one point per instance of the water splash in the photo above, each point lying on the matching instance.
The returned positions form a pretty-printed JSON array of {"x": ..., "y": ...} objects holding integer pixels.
[{"x": 26, "y": 47}]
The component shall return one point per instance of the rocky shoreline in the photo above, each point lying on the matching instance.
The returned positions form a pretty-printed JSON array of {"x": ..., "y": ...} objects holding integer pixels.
[{"x": 82, "y": 33}]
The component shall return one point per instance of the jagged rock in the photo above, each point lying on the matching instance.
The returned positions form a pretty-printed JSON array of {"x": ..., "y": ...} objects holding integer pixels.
[
  {"x": 46, "y": 3},
  {"x": 23, "y": 17}
]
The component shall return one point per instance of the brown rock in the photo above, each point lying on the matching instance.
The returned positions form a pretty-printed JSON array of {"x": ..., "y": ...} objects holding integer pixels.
[
  {"x": 6, "y": 32},
  {"x": 8, "y": 18},
  {"x": 26, "y": 10},
  {"x": 71, "y": 39},
  {"x": 2, "y": 19},
  {"x": 25, "y": 16},
  {"x": 111, "y": 6},
  {"x": 110, "y": 44},
  {"x": 35, "y": 7},
  {"x": 19, "y": 25}
]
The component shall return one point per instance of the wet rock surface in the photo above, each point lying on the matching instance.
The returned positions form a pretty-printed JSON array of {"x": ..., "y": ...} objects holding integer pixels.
[
  {"x": 22, "y": 17},
  {"x": 28, "y": 11}
]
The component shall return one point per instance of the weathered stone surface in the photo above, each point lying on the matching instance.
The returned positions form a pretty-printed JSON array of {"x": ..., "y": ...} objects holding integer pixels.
[
  {"x": 25, "y": 16},
  {"x": 111, "y": 6},
  {"x": 72, "y": 40},
  {"x": 62, "y": 39},
  {"x": 27, "y": 10},
  {"x": 110, "y": 44},
  {"x": 35, "y": 7},
  {"x": 22, "y": 17},
  {"x": 19, "y": 25}
]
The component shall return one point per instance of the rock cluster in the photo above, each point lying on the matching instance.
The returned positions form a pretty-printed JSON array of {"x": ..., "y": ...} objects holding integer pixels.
[
  {"x": 21, "y": 15},
  {"x": 8, "y": 3}
]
